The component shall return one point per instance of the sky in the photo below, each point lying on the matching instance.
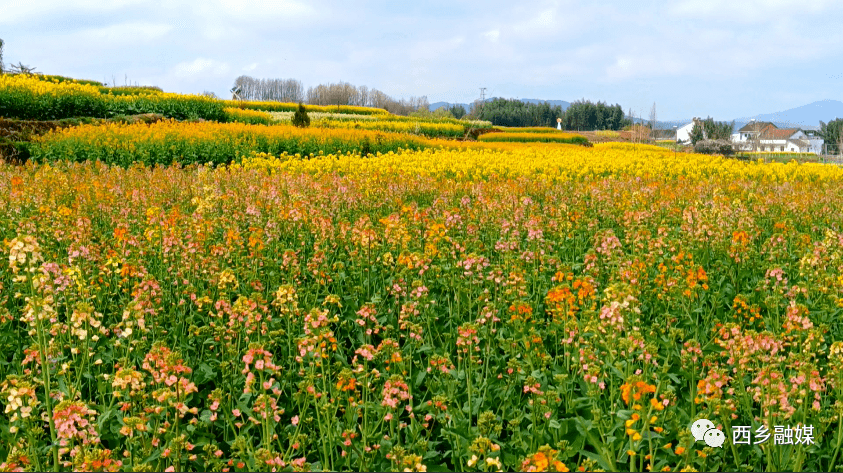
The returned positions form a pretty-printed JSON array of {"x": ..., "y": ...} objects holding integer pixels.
[{"x": 720, "y": 58}]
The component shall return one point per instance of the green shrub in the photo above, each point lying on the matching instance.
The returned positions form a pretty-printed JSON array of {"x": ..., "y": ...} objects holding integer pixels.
[
  {"x": 723, "y": 147},
  {"x": 300, "y": 118}
]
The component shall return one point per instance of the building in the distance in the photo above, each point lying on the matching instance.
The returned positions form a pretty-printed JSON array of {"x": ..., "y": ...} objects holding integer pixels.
[
  {"x": 767, "y": 137},
  {"x": 683, "y": 133}
]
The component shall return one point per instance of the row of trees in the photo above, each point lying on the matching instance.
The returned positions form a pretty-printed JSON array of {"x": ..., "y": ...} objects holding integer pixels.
[
  {"x": 580, "y": 115},
  {"x": 585, "y": 115},
  {"x": 454, "y": 111},
  {"x": 504, "y": 112},
  {"x": 267, "y": 90},
  {"x": 341, "y": 93}
]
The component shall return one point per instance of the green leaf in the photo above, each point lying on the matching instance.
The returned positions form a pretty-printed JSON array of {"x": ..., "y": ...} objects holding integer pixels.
[
  {"x": 420, "y": 377},
  {"x": 204, "y": 373}
]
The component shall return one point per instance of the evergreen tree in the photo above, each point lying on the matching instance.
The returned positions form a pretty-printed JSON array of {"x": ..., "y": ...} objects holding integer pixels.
[
  {"x": 713, "y": 130},
  {"x": 516, "y": 113},
  {"x": 585, "y": 115},
  {"x": 300, "y": 118},
  {"x": 696, "y": 134},
  {"x": 458, "y": 111},
  {"x": 832, "y": 134}
]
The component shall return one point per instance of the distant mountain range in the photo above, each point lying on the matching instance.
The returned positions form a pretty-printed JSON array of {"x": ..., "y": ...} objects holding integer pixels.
[{"x": 807, "y": 117}]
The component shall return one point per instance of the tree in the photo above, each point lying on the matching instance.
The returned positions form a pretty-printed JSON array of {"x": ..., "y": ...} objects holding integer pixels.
[
  {"x": 832, "y": 134},
  {"x": 653, "y": 121},
  {"x": 696, "y": 134},
  {"x": 279, "y": 90},
  {"x": 300, "y": 118},
  {"x": 708, "y": 129},
  {"x": 21, "y": 68},
  {"x": 458, "y": 111},
  {"x": 511, "y": 112},
  {"x": 1, "y": 56},
  {"x": 585, "y": 115}
]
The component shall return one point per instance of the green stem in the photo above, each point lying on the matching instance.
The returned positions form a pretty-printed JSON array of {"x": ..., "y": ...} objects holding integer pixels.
[
  {"x": 45, "y": 369},
  {"x": 839, "y": 441}
]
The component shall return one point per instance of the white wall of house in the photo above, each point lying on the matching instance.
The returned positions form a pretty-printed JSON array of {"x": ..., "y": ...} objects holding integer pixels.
[
  {"x": 792, "y": 148},
  {"x": 777, "y": 146},
  {"x": 816, "y": 145},
  {"x": 683, "y": 133},
  {"x": 741, "y": 137}
]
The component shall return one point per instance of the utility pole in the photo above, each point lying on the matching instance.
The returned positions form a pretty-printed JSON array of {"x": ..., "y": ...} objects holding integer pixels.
[{"x": 482, "y": 94}]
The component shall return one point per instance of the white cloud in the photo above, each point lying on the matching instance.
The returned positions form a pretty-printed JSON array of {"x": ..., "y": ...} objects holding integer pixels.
[
  {"x": 132, "y": 33},
  {"x": 708, "y": 52},
  {"x": 428, "y": 50},
  {"x": 281, "y": 9},
  {"x": 544, "y": 22},
  {"x": 646, "y": 64},
  {"x": 492, "y": 35},
  {"x": 750, "y": 11},
  {"x": 199, "y": 68},
  {"x": 17, "y": 11}
]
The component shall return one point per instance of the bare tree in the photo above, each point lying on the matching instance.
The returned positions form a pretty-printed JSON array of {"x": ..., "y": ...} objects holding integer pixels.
[
  {"x": 653, "y": 121},
  {"x": 281, "y": 90},
  {"x": 363, "y": 96},
  {"x": 20, "y": 68},
  {"x": 342, "y": 93}
]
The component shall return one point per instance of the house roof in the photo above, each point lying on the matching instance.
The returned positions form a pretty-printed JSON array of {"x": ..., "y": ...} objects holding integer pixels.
[
  {"x": 778, "y": 133},
  {"x": 756, "y": 126},
  {"x": 800, "y": 143}
]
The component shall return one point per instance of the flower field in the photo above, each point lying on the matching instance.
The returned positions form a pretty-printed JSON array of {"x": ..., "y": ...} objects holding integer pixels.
[
  {"x": 477, "y": 306},
  {"x": 540, "y": 137},
  {"x": 245, "y": 115},
  {"x": 527, "y": 129},
  {"x": 30, "y": 98},
  {"x": 169, "y": 141},
  {"x": 430, "y": 129}
]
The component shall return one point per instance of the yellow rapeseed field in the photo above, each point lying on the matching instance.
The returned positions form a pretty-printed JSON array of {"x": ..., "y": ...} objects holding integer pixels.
[{"x": 556, "y": 162}]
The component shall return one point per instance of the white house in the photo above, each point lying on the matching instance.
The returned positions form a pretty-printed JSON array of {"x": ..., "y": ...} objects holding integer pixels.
[{"x": 765, "y": 136}]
